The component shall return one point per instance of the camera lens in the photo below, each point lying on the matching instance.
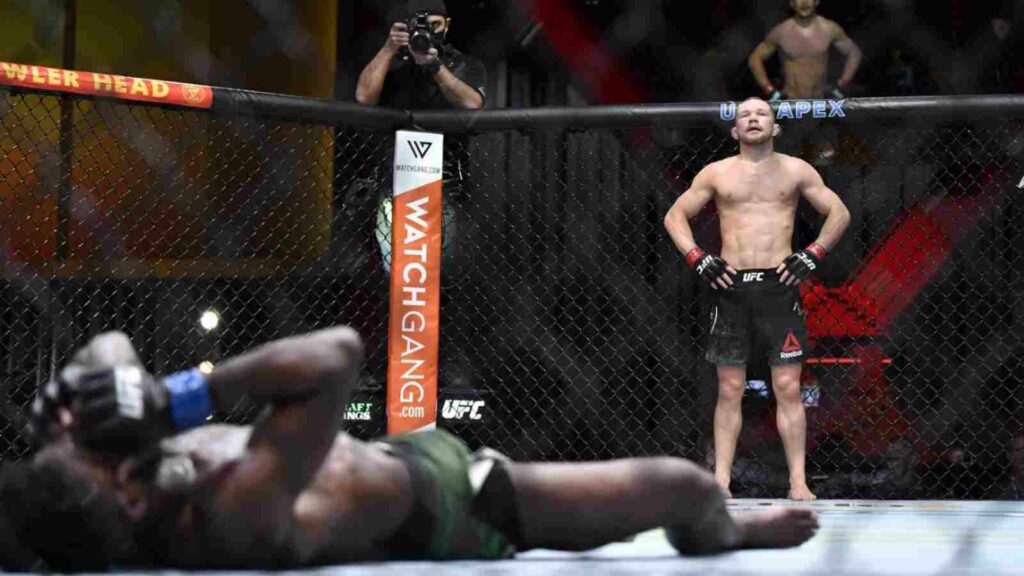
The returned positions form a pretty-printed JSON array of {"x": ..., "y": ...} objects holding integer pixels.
[{"x": 420, "y": 42}]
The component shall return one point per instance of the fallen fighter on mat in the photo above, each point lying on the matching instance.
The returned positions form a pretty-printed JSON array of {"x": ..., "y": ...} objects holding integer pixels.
[{"x": 131, "y": 476}]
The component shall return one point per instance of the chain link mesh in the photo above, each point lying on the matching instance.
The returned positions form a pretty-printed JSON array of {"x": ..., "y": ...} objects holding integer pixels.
[
  {"x": 564, "y": 304},
  {"x": 157, "y": 215},
  {"x": 569, "y": 304}
]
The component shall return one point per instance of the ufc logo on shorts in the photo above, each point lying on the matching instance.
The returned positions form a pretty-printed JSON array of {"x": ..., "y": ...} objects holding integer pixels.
[
  {"x": 420, "y": 149},
  {"x": 457, "y": 409},
  {"x": 753, "y": 277}
]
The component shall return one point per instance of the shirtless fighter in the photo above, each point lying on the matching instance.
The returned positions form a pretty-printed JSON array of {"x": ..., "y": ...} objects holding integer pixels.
[
  {"x": 756, "y": 277},
  {"x": 803, "y": 42},
  {"x": 133, "y": 471}
]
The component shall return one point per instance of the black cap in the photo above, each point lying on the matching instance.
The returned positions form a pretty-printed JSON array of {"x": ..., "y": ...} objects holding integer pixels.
[{"x": 429, "y": 6}]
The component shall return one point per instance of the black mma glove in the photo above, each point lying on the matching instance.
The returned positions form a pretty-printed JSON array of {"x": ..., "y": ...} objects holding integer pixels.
[
  {"x": 44, "y": 413},
  {"x": 125, "y": 410},
  {"x": 799, "y": 265},
  {"x": 120, "y": 411},
  {"x": 710, "y": 267}
]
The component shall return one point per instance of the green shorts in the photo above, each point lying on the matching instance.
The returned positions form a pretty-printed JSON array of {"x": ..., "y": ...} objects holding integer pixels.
[{"x": 446, "y": 477}]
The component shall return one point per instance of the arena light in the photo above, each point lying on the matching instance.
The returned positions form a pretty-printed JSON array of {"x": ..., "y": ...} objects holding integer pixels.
[
  {"x": 206, "y": 367},
  {"x": 209, "y": 320}
]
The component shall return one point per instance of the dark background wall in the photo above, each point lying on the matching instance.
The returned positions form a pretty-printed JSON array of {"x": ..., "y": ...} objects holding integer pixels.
[{"x": 663, "y": 50}]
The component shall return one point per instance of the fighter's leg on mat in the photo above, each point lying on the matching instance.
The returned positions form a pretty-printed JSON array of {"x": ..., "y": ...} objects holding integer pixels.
[
  {"x": 728, "y": 349},
  {"x": 571, "y": 506},
  {"x": 792, "y": 422},
  {"x": 728, "y": 421},
  {"x": 781, "y": 325}
]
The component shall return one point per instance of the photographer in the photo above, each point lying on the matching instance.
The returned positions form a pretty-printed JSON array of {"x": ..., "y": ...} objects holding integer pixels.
[{"x": 417, "y": 69}]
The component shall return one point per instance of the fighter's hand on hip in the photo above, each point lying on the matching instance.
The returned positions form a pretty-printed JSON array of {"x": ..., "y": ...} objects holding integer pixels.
[
  {"x": 120, "y": 411},
  {"x": 835, "y": 91},
  {"x": 772, "y": 94},
  {"x": 799, "y": 265},
  {"x": 711, "y": 268}
]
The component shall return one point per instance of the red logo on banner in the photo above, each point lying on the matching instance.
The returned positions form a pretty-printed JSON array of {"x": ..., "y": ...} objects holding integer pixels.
[{"x": 194, "y": 95}]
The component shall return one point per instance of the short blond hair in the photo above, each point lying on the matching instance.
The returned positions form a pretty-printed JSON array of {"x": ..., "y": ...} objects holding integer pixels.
[{"x": 759, "y": 99}]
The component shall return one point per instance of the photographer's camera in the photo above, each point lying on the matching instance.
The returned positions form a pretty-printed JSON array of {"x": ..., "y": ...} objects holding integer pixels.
[{"x": 421, "y": 34}]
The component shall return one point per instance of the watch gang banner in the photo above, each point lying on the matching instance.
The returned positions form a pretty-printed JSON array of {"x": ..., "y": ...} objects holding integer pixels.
[
  {"x": 415, "y": 282},
  {"x": 106, "y": 85}
]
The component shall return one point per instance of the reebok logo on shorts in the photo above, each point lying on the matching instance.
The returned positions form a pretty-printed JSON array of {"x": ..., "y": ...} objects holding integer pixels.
[{"x": 791, "y": 347}]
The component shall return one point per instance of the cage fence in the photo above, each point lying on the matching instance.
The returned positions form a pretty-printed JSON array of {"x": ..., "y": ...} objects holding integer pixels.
[{"x": 565, "y": 308}]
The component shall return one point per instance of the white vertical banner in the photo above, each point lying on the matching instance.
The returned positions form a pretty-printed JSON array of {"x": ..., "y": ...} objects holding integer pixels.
[{"x": 416, "y": 223}]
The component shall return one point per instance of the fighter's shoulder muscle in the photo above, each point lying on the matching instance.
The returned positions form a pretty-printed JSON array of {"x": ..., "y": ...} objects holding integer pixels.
[
  {"x": 796, "y": 168},
  {"x": 718, "y": 165},
  {"x": 780, "y": 31},
  {"x": 834, "y": 30},
  {"x": 714, "y": 171}
]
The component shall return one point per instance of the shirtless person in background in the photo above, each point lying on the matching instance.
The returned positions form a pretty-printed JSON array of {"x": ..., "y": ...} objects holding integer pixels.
[
  {"x": 756, "y": 278},
  {"x": 803, "y": 42}
]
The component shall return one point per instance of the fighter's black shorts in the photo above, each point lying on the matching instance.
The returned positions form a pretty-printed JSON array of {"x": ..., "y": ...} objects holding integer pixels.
[{"x": 758, "y": 313}]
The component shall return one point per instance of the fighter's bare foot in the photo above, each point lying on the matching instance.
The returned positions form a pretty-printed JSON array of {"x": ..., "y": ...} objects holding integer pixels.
[
  {"x": 776, "y": 528},
  {"x": 801, "y": 493},
  {"x": 723, "y": 485}
]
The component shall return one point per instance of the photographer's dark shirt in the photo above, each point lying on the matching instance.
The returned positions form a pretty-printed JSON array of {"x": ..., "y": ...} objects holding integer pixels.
[{"x": 408, "y": 87}]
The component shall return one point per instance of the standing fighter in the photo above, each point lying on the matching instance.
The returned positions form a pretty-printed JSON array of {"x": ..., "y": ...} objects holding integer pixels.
[
  {"x": 803, "y": 42},
  {"x": 756, "y": 278}
]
